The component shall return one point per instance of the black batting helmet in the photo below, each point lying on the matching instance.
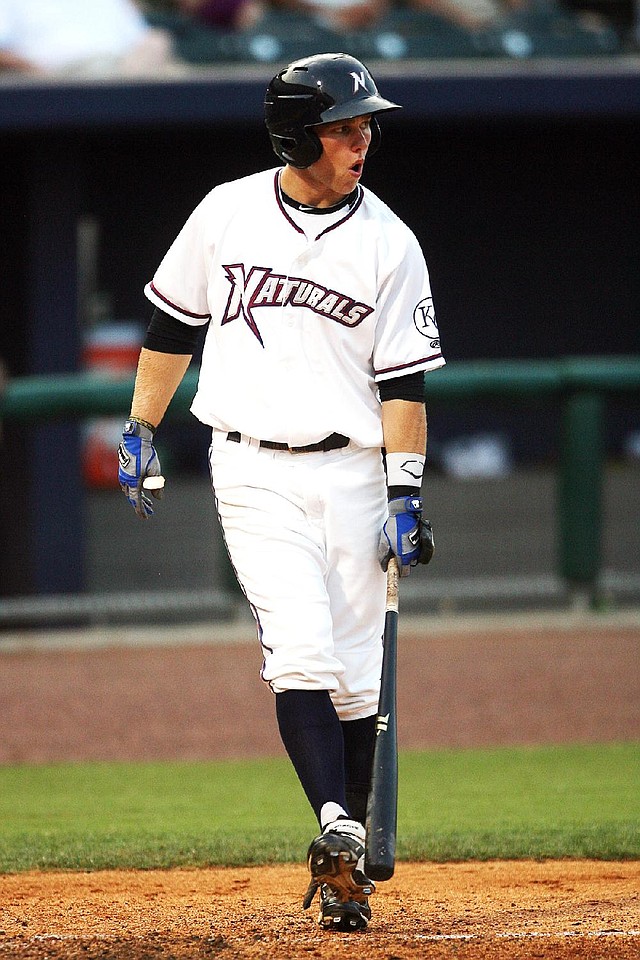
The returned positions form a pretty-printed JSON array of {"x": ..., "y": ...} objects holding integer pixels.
[{"x": 319, "y": 89}]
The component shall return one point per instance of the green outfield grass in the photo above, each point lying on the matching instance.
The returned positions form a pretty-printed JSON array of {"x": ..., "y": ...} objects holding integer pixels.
[{"x": 568, "y": 801}]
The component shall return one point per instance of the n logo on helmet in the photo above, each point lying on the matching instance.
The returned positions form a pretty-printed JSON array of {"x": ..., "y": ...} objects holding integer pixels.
[{"x": 358, "y": 80}]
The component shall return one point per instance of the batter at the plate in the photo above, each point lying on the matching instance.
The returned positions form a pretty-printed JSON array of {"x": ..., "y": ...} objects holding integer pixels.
[{"x": 319, "y": 329}]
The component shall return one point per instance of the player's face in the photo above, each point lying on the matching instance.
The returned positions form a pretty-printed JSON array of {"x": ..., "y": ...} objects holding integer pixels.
[{"x": 336, "y": 173}]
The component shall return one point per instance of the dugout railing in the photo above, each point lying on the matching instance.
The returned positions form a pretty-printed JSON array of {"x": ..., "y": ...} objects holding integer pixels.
[{"x": 582, "y": 386}]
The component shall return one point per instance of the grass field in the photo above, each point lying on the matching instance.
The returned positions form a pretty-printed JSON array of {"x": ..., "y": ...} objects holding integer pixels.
[{"x": 538, "y": 802}]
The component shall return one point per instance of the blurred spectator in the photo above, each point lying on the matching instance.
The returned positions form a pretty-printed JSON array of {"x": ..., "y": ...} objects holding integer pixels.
[
  {"x": 470, "y": 14},
  {"x": 513, "y": 27},
  {"x": 223, "y": 14},
  {"x": 336, "y": 15},
  {"x": 86, "y": 37},
  {"x": 339, "y": 15},
  {"x": 343, "y": 16}
]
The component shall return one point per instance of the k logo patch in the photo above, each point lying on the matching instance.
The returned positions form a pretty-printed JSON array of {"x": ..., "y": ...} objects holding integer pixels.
[{"x": 424, "y": 317}]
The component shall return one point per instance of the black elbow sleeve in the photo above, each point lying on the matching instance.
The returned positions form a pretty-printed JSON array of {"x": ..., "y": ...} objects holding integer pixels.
[
  {"x": 409, "y": 387},
  {"x": 165, "y": 334}
]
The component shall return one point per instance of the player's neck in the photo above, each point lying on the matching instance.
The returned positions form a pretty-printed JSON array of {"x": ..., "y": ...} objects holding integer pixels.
[{"x": 299, "y": 187}]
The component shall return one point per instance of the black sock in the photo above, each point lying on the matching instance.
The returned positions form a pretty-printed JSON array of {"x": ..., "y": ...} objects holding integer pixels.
[
  {"x": 312, "y": 736},
  {"x": 359, "y": 741}
]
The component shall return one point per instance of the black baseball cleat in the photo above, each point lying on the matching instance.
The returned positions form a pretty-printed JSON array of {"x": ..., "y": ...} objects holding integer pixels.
[
  {"x": 335, "y": 860},
  {"x": 344, "y": 916}
]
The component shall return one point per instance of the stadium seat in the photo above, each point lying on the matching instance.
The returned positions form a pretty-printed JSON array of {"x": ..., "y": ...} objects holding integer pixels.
[
  {"x": 278, "y": 38},
  {"x": 544, "y": 30},
  {"x": 283, "y": 36},
  {"x": 407, "y": 34},
  {"x": 193, "y": 42},
  {"x": 547, "y": 31}
]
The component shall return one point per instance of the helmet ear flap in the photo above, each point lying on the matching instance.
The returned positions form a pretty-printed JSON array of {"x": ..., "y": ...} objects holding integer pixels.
[
  {"x": 307, "y": 148},
  {"x": 300, "y": 151}
]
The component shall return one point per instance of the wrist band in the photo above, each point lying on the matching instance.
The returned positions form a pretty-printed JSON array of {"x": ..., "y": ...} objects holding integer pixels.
[
  {"x": 143, "y": 423},
  {"x": 405, "y": 469}
]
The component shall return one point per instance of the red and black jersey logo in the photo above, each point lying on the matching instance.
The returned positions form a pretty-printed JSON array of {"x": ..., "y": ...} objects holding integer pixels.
[{"x": 261, "y": 288}]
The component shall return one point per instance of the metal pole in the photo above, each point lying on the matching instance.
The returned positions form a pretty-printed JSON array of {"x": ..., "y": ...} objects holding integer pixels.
[
  {"x": 580, "y": 494},
  {"x": 57, "y": 522}
]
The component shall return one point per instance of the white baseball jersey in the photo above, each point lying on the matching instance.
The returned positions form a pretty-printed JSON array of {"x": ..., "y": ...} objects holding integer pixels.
[{"x": 302, "y": 325}]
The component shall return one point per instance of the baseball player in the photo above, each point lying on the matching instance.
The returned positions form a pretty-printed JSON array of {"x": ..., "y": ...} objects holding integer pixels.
[{"x": 319, "y": 329}]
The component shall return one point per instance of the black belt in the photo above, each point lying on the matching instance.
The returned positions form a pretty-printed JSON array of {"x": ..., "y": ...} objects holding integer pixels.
[{"x": 333, "y": 442}]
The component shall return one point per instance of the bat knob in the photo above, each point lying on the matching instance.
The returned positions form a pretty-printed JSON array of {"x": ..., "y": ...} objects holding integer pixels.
[{"x": 153, "y": 483}]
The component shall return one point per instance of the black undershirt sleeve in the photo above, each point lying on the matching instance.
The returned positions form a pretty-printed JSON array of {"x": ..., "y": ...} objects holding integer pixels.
[
  {"x": 165, "y": 334},
  {"x": 408, "y": 387}
]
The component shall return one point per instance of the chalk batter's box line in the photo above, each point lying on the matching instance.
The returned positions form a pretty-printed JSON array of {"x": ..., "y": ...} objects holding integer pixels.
[
  {"x": 526, "y": 935},
  {"x": 429, "y": 938}
]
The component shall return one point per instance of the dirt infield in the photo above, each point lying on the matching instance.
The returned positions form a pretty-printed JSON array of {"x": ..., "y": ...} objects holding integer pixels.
[
  {"x": 554, "y": 911},
  {"x": 545, "y": 683}
]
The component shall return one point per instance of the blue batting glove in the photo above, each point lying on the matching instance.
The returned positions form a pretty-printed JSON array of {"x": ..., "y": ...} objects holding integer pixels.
[
  {"x": 138, "y": 460},
  {"x": 406, "y": 535}
]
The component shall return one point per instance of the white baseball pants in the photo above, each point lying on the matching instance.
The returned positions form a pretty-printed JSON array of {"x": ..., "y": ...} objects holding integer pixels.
[{"x": 302, "y": 533}]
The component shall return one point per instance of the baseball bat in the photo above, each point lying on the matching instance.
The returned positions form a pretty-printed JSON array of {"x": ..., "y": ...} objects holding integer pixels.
[{"x": 382, "y": 805}]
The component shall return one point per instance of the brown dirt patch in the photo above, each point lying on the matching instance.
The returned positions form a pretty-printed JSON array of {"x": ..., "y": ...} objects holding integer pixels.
[
  {"x": 555, "y": 911},
  {"x": 463, "y": 688},
  {"x": 542, "y": 684}
]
